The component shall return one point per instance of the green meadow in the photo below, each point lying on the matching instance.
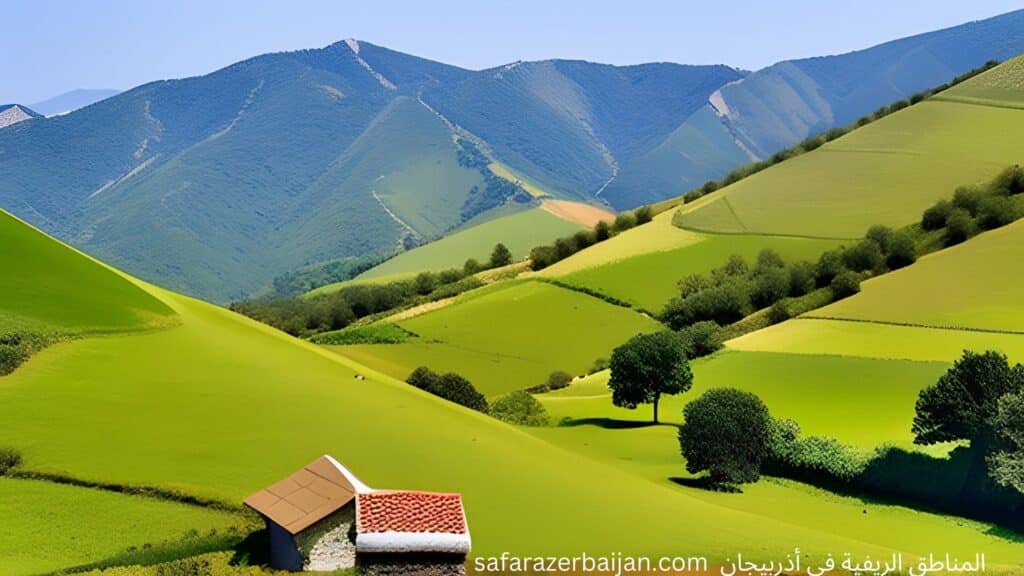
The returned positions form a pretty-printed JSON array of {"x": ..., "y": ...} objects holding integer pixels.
[
  {"x": 649, "y": 280},
  {"x": 519, "y": 231},
  {"x": 508, "y": 337},
  {"x": 50, "y": 526},
  {"x": 983, "y": 293},
  {"x": 887, "y": 173}
]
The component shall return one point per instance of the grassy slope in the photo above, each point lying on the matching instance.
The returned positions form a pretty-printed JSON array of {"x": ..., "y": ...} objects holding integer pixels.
[
  {"x": 885, "y": 173},
  {"x": 509, "y": 337},
  {"x": 649, "y": 280},
  {"x": 51, "y": 526},
  {"x": 47, "y": 286},
  {"x": 520, "y": 232}
]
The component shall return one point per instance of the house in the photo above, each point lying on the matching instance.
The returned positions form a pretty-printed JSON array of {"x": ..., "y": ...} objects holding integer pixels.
[{"x": 323, "y": 518}]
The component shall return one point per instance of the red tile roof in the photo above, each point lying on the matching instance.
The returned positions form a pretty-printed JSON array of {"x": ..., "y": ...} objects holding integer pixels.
[{"x": 410, "y": 511}]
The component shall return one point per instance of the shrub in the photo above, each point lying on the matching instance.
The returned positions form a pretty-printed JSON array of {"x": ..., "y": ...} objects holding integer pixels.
[
  {"x": 801, "y": 278},
  {"x": 1010, "y": 181},
  {"x": 725, "y": 433},
  {"x": 846, "y": 283},
  {"x": 472, "y": 266},
  {"x": 450, "y": 386},
  {"x": 644, "y": 214},
  {"x": 692, "y": 284},
  {"x": 996, "y": 211},
  {"x": 959, "y": 226},
  {"x": 602, "y": 231},
  {"x": 449, "y": 276},
  {"x": 968, "y": 198},
  {"x": 934, "y": 218},
  {"x": 18, "y": 347},
  {"x": 724, "y": 304},
  {"x": 598, "y": 365},
  {"x": 372, "y": 334},
  {"x": 768, "y": 259},
  {"x": 829, "y": 265},
  {"x": 901, "y": 252},
  {"x": 882, "y": 235},
  {"x": 558, "y": 380},
  {"x": 583, "y": 239},
  {"x": 709, "y": 187},
  {"x": 624, "y": 221},
  {"x": 812, "y": 457},
  {"x": 770, "y": 287},
  {"x": 701, "y": 339},
  {"x": 564, "y": 247},
  {"x": 520, "y": 408},
  {"x": 425, "y": 283},
  {"x": 500, "y": 256},
  {"x": 9, "y": 460},
  {"x": 779, "y": 312},
  {"x": 542, "y": 256},
  {"x": 865, "y": 256}
]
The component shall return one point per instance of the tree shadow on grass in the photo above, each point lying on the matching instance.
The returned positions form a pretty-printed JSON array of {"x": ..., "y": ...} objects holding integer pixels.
[
  {"x": 705, "y": 483},
  {"x": 610, "y": 423}
]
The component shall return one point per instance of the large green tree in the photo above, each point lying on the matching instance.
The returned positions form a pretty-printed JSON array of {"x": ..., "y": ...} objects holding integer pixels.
[
  {"x": 647, "y": 367},
  {"x": 1007, "y": 464},
  {"x": 963, "y": 404},
  {"x": 726, "y": 433}
]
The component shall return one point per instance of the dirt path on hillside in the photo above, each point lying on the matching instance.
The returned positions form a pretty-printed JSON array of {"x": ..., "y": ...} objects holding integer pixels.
[{"x": 585, "y": 214}]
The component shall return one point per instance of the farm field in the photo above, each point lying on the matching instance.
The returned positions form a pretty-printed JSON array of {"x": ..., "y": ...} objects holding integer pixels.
[
  {"x": 508, "y": 337},
  {"x": 860, "y": 401},
  {"x": 520, "y": 231},
  {"x": 887, "y": 173},
  {"x": 50, "y": 526},
  {"x": 875, "y": 340},
  {"x": 649, "y": 280},
  {"x": 984, "y": 293},
  {"x": 1001, "y": 86}
]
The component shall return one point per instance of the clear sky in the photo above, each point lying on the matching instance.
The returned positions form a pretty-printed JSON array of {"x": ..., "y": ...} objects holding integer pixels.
[{"x": 51, "y": 46}]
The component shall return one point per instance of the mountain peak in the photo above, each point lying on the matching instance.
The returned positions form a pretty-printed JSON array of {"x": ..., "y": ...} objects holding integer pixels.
[
  {"x": 353, "y": 44},
  {"x": 11, "y": 114}
]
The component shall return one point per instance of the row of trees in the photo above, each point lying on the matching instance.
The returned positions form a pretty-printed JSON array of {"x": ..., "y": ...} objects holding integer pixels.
[
  {"x": 543, "y": 256},
  {"x": 814, "y": 142},
  {"x": 309, "y": 315},
  {"x": 518, "y": 407},
  {"x": 977, "y": 208}
]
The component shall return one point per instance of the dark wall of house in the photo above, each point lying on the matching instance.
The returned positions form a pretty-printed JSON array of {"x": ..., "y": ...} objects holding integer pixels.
[{"x": 284, "y": 554}]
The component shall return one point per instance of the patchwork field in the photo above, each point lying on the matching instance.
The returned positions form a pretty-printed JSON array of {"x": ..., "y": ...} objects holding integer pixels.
[
  {"x": 984, "y": 292},
  {"x": 649, "y": 280},
  {"x": 520, "y": 232},
  {"x": 1001, "y": 86},
  {"x": 50, "y": 526},
  {"x": 508, "y": 337},
  {"x": 887, "y": 172}
]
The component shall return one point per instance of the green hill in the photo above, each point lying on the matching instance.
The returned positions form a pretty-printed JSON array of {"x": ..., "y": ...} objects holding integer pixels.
[{"x": 160, "y": 409}]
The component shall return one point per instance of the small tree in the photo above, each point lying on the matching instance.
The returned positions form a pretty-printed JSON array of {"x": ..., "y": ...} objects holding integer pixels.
[
  {"x": 959, "y": 226},
  {"x": 425, "y": 283},
  {"x": 935, "y": 217},
  {"x": 520, "y": 408},
  {"x": 726, "y": 433},
  {"x": 701, "y": 339},
  {"x": 472, "y": 266},
  {"x": 558, "y": 380},
  {"x": 865, "y": 255},
  {"x": 846, "y": 283},
  {"x": 602, "y": 231},
  {"x": 1007, "y": 465},
  {"x": 644, "y": 214},
  {"x": 901, "y": 251},
  {"x": 500, "y": 256},
  {"x": 542, "y": 256},
  {"x": 648, "y": 366}
]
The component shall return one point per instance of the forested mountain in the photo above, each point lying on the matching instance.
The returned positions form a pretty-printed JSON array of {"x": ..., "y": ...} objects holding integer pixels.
[{"x": 217, "y": 184}]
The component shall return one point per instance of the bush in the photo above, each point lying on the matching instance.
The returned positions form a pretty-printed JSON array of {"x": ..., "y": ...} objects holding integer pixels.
[
  {"x": 450, "y": 386},
  {"x": 520, "y": 408},
  {"x": 624, "y": 221},
  {"x": 779, "y": 312},
  {"x": 372, "y": 334},
  {"x": 812, "y": 457},
  {"x": 18, "y": 347},
  {"x": 542, "y": 256},
  {"x": 968, "y": 198},
  {"x": 9, "y": 460},
  {"x": 725, "y": 433},
  {"x": 644, "y": 214},
  {"x": 935, "y": 217},
  {"x": 693, "y": 284},
  {"x": 425, "y": 283},
  {"x": 472, "y": 266},
  {"x": 768, "y": 259},
  {"x": 500, "y": 256},
  {"x": 724, "y": 304},
  {"x": 770, "y": 287},
  {"x": 583, "y": 239},
  {"x": 801, "y": 278},
  {"x": 602, "y": 231},
  {"x": 901, "y": 252},
  {"x": 882, "y": 235},
  {"x": 829, "y": 265},
  {"x": 996, "y": 211},
  {"x": 701, "y": 339},
  {"x": 959, "y": 226},
  {"x": 1010, "y": 181},
  {"x": 865, "y": 256},
  {"x": 846, "y": 283},
  {"x": 598, "y": 365},
  {"x": 558, "y": 380}
]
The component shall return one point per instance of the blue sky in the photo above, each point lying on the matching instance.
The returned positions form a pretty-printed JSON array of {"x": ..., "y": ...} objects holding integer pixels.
[{"x": 51, "y": 46}]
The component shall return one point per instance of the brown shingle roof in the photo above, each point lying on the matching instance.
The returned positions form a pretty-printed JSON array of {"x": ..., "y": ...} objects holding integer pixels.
[
  {"x": 410, "y": 511},
  {"x": 305, "y": 497}
]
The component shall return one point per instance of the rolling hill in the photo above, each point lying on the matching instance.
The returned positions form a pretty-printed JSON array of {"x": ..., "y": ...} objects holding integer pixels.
[
  {"x": 170, "y": 414},
  {"x": 216, "y": 185}
]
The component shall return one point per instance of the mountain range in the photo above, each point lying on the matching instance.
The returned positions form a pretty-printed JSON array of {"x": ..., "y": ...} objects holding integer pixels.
[{"x": 215, "y": 185}]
